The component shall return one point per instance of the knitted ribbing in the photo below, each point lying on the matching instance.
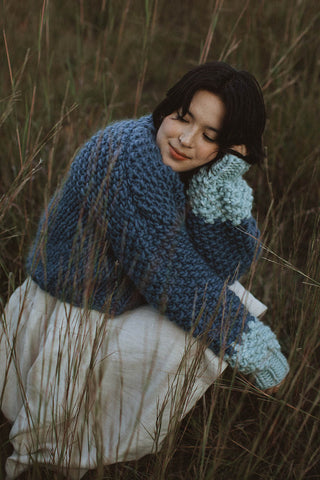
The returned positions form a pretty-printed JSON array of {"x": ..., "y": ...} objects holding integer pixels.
[
  {"x": 258, "y": 353},
  {"x": 220, "y": 192}
]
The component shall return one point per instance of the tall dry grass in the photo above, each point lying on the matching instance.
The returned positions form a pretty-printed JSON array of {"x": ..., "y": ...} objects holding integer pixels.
[{"x": 67, "y": 69}]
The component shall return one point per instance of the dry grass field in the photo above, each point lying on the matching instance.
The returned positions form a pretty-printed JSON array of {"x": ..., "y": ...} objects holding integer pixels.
[{"x": 69, "y": 68}]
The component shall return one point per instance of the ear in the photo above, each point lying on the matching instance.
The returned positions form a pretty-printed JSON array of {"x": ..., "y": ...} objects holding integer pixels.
[{"x": 242, "y": 149}]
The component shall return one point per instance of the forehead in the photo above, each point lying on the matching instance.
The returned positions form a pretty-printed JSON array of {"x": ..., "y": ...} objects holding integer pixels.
[{"x": 206, "y": 108}]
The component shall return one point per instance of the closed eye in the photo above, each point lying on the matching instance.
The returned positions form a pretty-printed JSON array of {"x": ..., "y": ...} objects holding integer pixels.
[{"x": 209, "y": 139}]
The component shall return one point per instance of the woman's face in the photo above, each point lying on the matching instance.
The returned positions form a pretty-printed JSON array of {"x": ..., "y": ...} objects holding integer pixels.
[{"x": 190, "y": 141}]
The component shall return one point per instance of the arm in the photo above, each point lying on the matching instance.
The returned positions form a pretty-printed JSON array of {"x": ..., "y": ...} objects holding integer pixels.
[
  {"x": 228, "y": 249},
  {"x": 220, "y": 223},
  {"x": 226, "y": 235}
]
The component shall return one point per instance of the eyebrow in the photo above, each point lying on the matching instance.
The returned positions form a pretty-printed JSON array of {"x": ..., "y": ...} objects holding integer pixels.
[{"x": 207, "y": 127}]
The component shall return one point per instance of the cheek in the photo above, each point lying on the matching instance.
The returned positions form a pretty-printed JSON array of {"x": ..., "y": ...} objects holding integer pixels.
[
  {"x": 169, "y": 128},
  {"x": 160, "y": 135},
  {"x": 208, "y": 152}
]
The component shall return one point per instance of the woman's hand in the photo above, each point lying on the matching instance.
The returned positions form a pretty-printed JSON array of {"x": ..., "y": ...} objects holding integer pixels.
[
  {"x": 220, "y": 192},
  {"x": 259, "y": 353}
]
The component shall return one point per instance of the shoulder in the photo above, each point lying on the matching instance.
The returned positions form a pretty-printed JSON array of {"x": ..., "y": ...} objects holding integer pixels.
[
  {"x": 134, "y": 132},
  {"x": 128, "y": 132},
  {"x": 118, "y": 140},
  {"x": 136, "y": 139},
  {"x": 138, "y": 154},
  {"x": 125, "y": 153}
]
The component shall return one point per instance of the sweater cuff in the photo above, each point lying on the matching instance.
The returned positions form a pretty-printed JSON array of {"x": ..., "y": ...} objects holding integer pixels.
[
  {"x": 259, "y": 354},
  {"x": 229, "y": 167}
]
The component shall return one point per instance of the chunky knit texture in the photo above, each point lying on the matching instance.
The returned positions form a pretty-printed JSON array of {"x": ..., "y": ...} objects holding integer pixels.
[
  {"x": 221, "y": 192},
  {"x": 115, "y": 236},
  {"x": 259, "y": 354},
  {"x": 232, "y": 261}
]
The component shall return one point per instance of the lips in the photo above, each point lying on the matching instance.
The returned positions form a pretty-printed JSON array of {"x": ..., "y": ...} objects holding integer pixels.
[{"x": 176, "y": 154}]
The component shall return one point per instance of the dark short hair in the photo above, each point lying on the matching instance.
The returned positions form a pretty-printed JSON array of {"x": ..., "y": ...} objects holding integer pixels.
[{"x": 245, "y": 116}]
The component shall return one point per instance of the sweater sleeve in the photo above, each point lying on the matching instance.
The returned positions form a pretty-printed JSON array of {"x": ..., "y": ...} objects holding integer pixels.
[
  {"x": 228, "y": 249},
  {"x": 219, "y": 220}
]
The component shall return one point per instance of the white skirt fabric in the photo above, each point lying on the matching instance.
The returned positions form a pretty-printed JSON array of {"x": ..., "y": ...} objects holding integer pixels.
[{"x": 83, "y": 390}]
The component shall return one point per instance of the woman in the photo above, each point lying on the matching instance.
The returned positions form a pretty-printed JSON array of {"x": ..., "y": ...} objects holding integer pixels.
[{"x": 141, "y": 247}]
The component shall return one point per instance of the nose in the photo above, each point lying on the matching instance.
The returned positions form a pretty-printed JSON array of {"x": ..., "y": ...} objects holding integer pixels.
[{"x": 186, "y": 137}]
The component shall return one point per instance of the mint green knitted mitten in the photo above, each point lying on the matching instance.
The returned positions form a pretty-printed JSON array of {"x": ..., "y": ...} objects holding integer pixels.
[
  {"x": 221, "y": 192},
  {"x": 258, "y": 353}
]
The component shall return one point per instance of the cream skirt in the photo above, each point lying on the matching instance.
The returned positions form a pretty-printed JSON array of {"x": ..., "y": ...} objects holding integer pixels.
[{"x": 83, "y": 390}]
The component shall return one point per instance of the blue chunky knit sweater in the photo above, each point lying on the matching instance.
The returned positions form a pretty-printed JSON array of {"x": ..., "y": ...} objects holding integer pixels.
[{"x": 116, "y": 235}]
